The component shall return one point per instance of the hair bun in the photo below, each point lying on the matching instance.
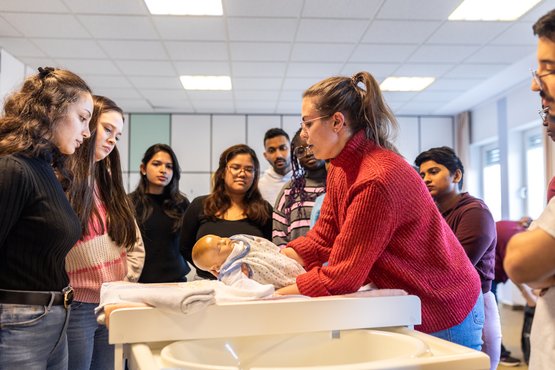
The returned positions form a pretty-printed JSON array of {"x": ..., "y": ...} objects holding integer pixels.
[{"x": 45, "y": 72}]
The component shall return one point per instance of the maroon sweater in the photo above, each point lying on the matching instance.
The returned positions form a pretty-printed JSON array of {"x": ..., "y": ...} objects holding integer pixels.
[
  {"x": 473, "y": 224},
  {"x": 379, "y": 224}
]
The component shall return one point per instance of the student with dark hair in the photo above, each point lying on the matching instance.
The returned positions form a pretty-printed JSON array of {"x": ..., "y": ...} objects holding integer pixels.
[
  {"x": 234, "y": 206},
  {"x": 160, "y": 208},
  {"x": 366, "y": 232},
  {"x": 110, "y": 248},
  {"x": 291, "y": 217},
  {"x": 42, "y": 122},
  {"x": 474, "y": 227},
  {"x": 276, "y": 152}
]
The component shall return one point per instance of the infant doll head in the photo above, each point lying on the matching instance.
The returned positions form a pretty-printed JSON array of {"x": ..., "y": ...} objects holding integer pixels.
[{"x": 210, "y": 252}]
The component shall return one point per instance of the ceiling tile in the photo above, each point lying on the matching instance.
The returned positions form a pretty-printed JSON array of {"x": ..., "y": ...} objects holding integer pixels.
[
  {"x": 190, "y": 28},
  {"x": 261, "y": 29},
  {"x": 370, "y": 53},
  {"x": 21, "y": 47},
  {"x": 161, "y": 95},
  {"x": 159, "y": 82},
  {"x": 204, "y": 68},
  {"x": 310, "y": 52},
  {"x": 34, "y": 63},
  {"x": 190, "y": 50},
  {"x": 108, "y": 7},
  {"x": 118, "y": 93},
  {"x": 500, "y": 54},
  {"x": 442, "y": 53},
  {"x": 330, "y": 30},
  {"x": 410, "y": 9},
  {"x": 92, "y": 67},
  {"x": 453, "y": 84},
  {"x": 317, "y": 70},
  {"x": 64, "y": 48},
  {"x": 300, "y": 84},
  {"x": 467, "y": 33},
  {"x": 435, "y": 96},
  {"x": 259, "y": 51},
  {"x": 258, "y": 69},
  {"x": 135, "y": 105},
  {"x": 38, "y": 6},
  {"x": 517, "y": 34},
  {"x": 6, "y": 30},
  {"x": 400, "y": 32},
  {"x": 262, "y": 8},
  {"x": 146, "y": 68},
  {"x": 107, "y": 81},
  {"x": 476, "y": 71},
  {"x": 256, "y": 95},
  {"x": 341, "y": 8},
  {"x": 50, "y": 25},
  {"x": 138, "y": 50},
  {"x": 376, "y": 69},
  {"x": 423, "y": 70},
  {"x": 256, "y": 83},
  {"x": 119, "y": 27}
]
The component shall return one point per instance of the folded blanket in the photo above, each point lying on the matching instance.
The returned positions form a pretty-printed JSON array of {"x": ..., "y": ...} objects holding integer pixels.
[{"x": 176, "y": 297}]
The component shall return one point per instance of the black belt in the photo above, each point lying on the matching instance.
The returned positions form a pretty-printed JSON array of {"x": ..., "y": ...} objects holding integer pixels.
[{"x": 65, "y": 297}]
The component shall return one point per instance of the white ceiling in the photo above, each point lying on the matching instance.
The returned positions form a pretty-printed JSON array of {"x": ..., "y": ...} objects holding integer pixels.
[{"x": 272, "y": 49}]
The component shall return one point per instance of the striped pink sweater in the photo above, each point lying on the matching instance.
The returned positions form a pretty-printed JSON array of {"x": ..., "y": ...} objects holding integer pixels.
[
  {"x": 379, "y": 224},
  {"x": 97, "y": 259}
]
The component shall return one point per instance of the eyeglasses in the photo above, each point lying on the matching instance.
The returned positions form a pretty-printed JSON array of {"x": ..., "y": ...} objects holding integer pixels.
[
  {"x": 538, "y": 78},
  {"x": 304, "y": 125},
  {"x": 302, "y": 151},
  {"x": 235, "y": 170}
]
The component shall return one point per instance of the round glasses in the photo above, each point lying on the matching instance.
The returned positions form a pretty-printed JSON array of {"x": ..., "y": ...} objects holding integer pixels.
[
  {"x": 301, "y": 151},
  {"x": 235, "y": 170}
]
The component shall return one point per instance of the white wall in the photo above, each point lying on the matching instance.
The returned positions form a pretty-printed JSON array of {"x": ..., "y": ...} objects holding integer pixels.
[{"x": 12, "y": 73}]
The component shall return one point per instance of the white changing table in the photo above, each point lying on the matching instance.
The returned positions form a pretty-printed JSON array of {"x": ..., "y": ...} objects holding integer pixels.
[{"x": 138, "y": 332}]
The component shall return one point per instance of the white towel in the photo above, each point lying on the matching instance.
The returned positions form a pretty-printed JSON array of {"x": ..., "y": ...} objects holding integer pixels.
[{"x": 176, "y": 297}]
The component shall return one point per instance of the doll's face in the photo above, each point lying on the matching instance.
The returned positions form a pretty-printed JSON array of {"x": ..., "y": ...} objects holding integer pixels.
[{"x": 215, "y": 252}]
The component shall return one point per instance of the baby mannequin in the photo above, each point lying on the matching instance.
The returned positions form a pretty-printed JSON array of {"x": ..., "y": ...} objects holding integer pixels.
[{"x": 245, "y": 257}]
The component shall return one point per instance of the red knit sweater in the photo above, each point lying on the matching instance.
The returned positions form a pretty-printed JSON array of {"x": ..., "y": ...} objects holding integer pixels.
[{"x": 379, "y": 224}]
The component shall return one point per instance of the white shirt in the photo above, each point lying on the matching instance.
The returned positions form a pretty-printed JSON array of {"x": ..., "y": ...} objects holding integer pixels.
[
  {"x": 542, "y": 337},
  {"x": 270, "y": 184}
]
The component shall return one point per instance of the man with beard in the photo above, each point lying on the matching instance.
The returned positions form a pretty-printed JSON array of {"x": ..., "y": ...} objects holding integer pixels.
[
  {"x": 530, "y": 257},
  {"x": 276, "y": 152}
]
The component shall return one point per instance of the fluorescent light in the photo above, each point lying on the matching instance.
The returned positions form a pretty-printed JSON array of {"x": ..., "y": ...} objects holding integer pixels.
[
  {"x": 491, "y": 10},
  {"x": 406, "y": 83},
  {"x": 185, "y": 7},
  {"x": 206, "y": 82}
]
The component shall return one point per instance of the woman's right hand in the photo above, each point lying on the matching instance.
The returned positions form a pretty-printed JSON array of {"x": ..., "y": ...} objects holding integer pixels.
[{"x": 291, "y": 253}]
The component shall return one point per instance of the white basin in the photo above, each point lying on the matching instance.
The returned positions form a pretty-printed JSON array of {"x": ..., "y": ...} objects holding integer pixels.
[{"x": 319, "y": 350}]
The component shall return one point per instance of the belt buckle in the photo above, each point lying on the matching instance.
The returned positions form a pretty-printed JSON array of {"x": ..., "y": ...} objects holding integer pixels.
[{"x": 68, "y": 296}]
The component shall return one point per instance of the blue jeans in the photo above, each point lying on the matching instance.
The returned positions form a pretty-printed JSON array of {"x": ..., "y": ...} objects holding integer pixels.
[
  {"x": 87, "y": 340},
  {"x": 33, "y": 337},
  {"x": 469, "y": 332}
]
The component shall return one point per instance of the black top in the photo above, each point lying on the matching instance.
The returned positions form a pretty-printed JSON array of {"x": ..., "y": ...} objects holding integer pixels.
[
  {"x": 163, "y": 262},
  {"x": 196, "y": 225},
  {"x": 38, "y": 227}
]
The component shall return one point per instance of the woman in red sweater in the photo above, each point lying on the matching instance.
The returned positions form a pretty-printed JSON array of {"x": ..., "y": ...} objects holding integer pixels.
[{"x": 378, "y": 222}]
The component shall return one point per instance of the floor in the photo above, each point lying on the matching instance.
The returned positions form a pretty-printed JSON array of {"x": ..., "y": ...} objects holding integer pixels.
[{"x": 511, "y": 327}]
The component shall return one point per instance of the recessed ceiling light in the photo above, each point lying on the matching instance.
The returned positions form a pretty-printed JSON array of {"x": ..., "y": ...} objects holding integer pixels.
[
  {"x": 206, "y": 82},
  {"x": 406, "y": 83},
  {"x": 491, "y": 10},
  {"x": 185, "y": 7}
]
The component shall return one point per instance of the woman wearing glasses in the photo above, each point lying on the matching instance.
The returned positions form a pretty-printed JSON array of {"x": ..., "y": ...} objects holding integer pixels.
[
  {"x": 235, "y": 205},
  {"x": 378, "y": 223},
  {"x": 160, "y": 207},
  {"x": 291, "y": 217}
]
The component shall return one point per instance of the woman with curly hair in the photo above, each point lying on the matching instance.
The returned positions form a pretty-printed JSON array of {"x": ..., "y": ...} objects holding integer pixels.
[
  {"x": 43, "y": 122},
  {"x": 234, "y": 206},
  {"x": 291, "y": 217}
]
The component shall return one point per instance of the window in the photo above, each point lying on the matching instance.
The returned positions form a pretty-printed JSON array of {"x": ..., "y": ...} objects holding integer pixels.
[
  {"x": 534, "y": 193},
  {"x": 491, "y": 180}
]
